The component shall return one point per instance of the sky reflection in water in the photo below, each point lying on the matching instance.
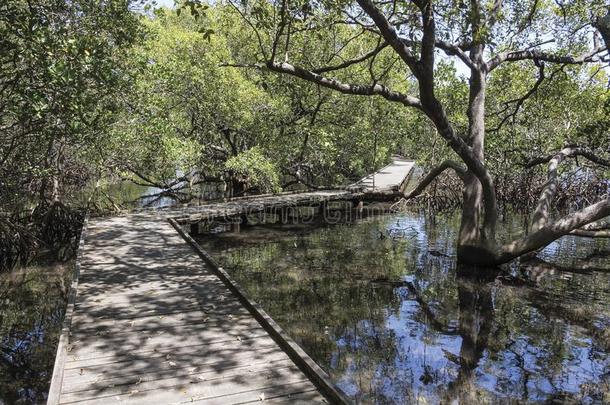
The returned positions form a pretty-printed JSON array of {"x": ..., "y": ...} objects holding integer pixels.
[{"x": 381, "y": 306}]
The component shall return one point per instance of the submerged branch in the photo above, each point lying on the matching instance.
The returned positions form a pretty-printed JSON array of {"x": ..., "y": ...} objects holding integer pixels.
[
  {"x": 542, "y": 211},
  {"x": 554, "y": 231}
]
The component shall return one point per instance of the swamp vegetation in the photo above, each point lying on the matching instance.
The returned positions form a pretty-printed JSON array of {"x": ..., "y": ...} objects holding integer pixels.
[{"x": 115, "y": 104}]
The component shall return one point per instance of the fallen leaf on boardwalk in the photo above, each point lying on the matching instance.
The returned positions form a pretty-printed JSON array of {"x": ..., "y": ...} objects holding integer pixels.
[{"x": 262, "y": 396}]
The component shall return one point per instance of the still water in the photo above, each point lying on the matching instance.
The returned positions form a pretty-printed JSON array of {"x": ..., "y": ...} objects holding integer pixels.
[
  {"x": 32, "y": 305},
  {"x": 381, "y": 305}
]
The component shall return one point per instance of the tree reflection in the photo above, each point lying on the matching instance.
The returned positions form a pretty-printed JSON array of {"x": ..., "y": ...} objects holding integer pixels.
[{"x": 394, "y": 323}]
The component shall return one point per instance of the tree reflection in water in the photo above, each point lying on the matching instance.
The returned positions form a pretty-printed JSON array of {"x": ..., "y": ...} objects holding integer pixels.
[{"x": 381, "y": 305}]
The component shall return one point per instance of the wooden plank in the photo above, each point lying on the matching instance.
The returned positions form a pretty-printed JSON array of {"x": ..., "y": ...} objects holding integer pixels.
[
  {"x": 220, "y": 351},
  {"x": 177, "y": 323},
  {"x": 135, "y": 343},
  {"x": 204, "y": 369},
  {"x": 249, "y": 384}
]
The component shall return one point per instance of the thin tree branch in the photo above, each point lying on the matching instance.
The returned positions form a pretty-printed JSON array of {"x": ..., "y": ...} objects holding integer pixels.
[
  {"x": 350, "y": 62},
  {"x": 433, "y": 174},
  {"x": 389, "y": 34},
  {"x": 519, "y": 101},
  {"x": 571, "y": 151},
  {"x": 357, "y": 89},
  {"x": 539, "y": 55}
]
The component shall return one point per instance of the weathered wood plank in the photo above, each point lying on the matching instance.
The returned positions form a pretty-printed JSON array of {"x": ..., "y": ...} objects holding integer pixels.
[
  {"x": 142, "y": 342},
  {"x": 204, "y": 369},
  {"x": 251, "y": 383}
]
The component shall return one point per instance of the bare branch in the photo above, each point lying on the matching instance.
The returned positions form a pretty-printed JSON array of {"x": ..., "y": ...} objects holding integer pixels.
[
  {"x": 519, "y": 101},
  {"x": 539, "y": 55},
  {"x": 389, "y": 33},
  {"x": 357, "y": 89},
  {"x": 350, "y": 62},
  {"x": 559, "y": 228},
  {"x": 572, "y": 151},
  {"x": 258, "y": 36},
  {"x": 455, "y": 50},
  {"x": 542, "y": 212},
  {"x": 433, "y": 174},
  {"x": 591, "y": 234},
  {"x": 428, "y": 41}
]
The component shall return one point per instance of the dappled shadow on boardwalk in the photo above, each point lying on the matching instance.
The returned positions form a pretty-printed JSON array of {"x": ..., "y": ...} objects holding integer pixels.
[{"x": 152, "y": 324}]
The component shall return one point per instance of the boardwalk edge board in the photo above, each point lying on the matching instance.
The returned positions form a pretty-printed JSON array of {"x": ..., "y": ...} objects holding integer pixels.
[
  {"x": 64, "y": 338},
  {"x": 305, "y": 363}
]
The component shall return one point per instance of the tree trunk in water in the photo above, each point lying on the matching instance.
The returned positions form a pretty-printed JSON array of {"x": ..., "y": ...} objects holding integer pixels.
[
  {"x": 472, "y": 210},
  {"x": 477, "y": 230}
]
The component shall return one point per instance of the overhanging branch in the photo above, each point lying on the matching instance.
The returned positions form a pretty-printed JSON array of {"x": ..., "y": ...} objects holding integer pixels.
[
  {"x": 346, "y": 88},
  {"x": 350, "y": 62},
  {"x": 572, "y": 151},
  {"x": 539, "y": 55},
  {"x": 434, "y": 173}
]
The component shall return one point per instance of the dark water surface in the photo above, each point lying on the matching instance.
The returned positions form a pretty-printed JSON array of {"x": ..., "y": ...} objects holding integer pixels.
[
  {"x": 381, "y": 305},
  {"x": 32, "y": 305}
]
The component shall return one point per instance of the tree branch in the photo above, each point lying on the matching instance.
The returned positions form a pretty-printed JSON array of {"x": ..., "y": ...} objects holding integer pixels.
[
  {"x": 433, "y": 174},
  {"x": 559, "y": 228},
  {"x": 539, "y": 55},
  {"x": 389, "y": 34},
  {"x": 455, "y": 50},
  {"x": 519, "y": 101},
  {"x": 350, "y": 62},
  {"x": 591, "y": 234},
  {"x": 571, "y": 151},
  {"x": 357, "y": 89}
]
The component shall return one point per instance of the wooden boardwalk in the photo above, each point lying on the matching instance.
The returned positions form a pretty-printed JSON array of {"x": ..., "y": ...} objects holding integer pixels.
[
  {"x": 393, "y": 177},
  {"x": 150, "y": 322}
]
